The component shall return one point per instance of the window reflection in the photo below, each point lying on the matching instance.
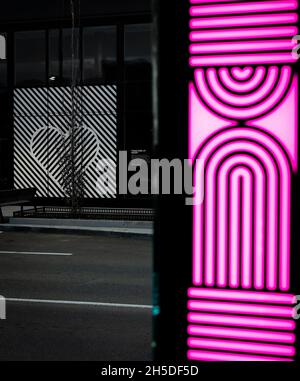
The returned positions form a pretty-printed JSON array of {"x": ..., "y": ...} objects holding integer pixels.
[
  {"x": 3, "y": 73},
  {"x": 70, "y": 46},
  {"x": 3, "y": 62},
  {"x": 138, "y": 131},
  {"x": 55, "y": 65},
  {"x": 138, "y": 96},
  {"x": 138, "y": 51},
  {"x": 99, "y": 54},
  {"x": 30, "y": 58},
  {"x": 138, "y": 89},
  {"x": 5, "y": 142},
  {"x": 95, "y": 61}
]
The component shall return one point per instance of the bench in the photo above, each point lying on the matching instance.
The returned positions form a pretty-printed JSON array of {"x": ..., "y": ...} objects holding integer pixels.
[{"x": 16, "y": 197}]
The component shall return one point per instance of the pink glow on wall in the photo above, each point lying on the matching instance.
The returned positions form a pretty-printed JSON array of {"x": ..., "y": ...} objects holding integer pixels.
[{"x": 243, "y": 125}]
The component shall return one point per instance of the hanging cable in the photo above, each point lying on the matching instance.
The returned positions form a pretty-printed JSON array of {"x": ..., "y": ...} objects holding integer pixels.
[{"x": 73, "y": 171}]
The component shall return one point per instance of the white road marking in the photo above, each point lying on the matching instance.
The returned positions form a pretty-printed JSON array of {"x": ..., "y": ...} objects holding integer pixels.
[
  {"x": 34, "y": 253},
  {"x": 97, "y": 304}
]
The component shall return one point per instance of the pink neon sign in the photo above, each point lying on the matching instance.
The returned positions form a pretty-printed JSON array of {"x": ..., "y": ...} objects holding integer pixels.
[{"x": 243, "y": 126}]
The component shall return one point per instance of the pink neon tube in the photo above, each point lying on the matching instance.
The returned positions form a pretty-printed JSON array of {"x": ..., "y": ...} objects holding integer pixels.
[
  {"x": 263, "y": 6},
  {"x": 241, "y": 87},
  {"x": 240, "y": 346},
  {"x": 201, "y": 355},
  {"x": 222, "y": 222},
  {"x": 251, "y": 20},
  {"x": 284, "y": 207},
  {"x": 213, "y": 1},
  {"x": 244, "y": 33},
  {"x": 242, "y": 59},
  {"x": 241, "y": 321},
  {"x": 243, "y": 99},
  {"x": 250, "y": 46},
  {"x": 248, "y": 309},
  {"x": 227, "y": 150},
  {"x": 241, "y": 182},
  {"x": 207, "y": 93},
  {"x": 246, "y": 296},
  {"x": 242, "y": 74},
  {"x": 246, "y": 334},
  {"x": 234, "y": 231}
]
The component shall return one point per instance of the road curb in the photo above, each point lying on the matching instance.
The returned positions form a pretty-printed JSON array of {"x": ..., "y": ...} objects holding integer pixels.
[{"x": 108, "y": 232}]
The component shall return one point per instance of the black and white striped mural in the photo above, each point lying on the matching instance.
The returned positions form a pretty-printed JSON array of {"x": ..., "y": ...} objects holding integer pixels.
[{"x": 42, "y": 118}]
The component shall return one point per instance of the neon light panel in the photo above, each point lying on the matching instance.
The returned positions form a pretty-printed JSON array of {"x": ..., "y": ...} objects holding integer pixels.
[{"x": 243, "y": 126}]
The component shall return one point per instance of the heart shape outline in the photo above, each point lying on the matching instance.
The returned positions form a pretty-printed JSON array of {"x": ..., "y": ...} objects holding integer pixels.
[{"x": 58, "y": 159}]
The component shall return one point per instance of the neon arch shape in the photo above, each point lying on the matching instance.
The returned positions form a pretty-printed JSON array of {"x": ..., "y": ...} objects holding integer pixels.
[
  {"x": 239, "y": 87},
  {"x": 237, "y": 140},
  {"x": 243, "y": 138},
  {"x": 247, "y": 112}
]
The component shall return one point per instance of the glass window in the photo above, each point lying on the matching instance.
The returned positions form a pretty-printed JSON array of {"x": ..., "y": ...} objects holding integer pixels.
[
  {"x": 138, "y": 131},
  {"x": 3, "y": 73},
  {"x": 4, "y": 113},
  {"x": 3, "y": 61},
  {"x": 54, "y": 57},
  {"x": 30, "y": 58},
  {"x": 6, "y": 147},
  {"x": 138, "y": 51},
  {"x": 69, "y": 45},
  {"x": 138, "y": 96},
  {"x": 138, "y": 89},
  {"x": 2, "y": 46},
  {"x": 99, "y": 54}
]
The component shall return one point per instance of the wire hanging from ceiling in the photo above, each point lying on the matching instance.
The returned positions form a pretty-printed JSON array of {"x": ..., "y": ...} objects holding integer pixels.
[{"x": 73, "y": 171}]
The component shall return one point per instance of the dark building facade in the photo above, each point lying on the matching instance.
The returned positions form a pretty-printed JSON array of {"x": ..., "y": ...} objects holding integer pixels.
[{"x": 112, "y": 68}]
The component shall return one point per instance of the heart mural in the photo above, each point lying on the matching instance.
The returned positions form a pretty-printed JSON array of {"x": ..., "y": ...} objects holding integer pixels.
[
  {"x": 49, "y": 146},
  {"x": 42, "y": 140}
]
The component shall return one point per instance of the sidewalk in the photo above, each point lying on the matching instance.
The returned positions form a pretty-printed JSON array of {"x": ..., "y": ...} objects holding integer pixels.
[{"x": 141, "y": 229}]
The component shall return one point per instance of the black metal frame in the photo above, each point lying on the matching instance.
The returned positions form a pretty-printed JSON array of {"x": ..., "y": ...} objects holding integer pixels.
[{"x": 119, "y": 21}]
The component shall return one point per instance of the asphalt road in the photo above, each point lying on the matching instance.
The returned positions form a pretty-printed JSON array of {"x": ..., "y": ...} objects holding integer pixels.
[{"x": 75, "y": 298}]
